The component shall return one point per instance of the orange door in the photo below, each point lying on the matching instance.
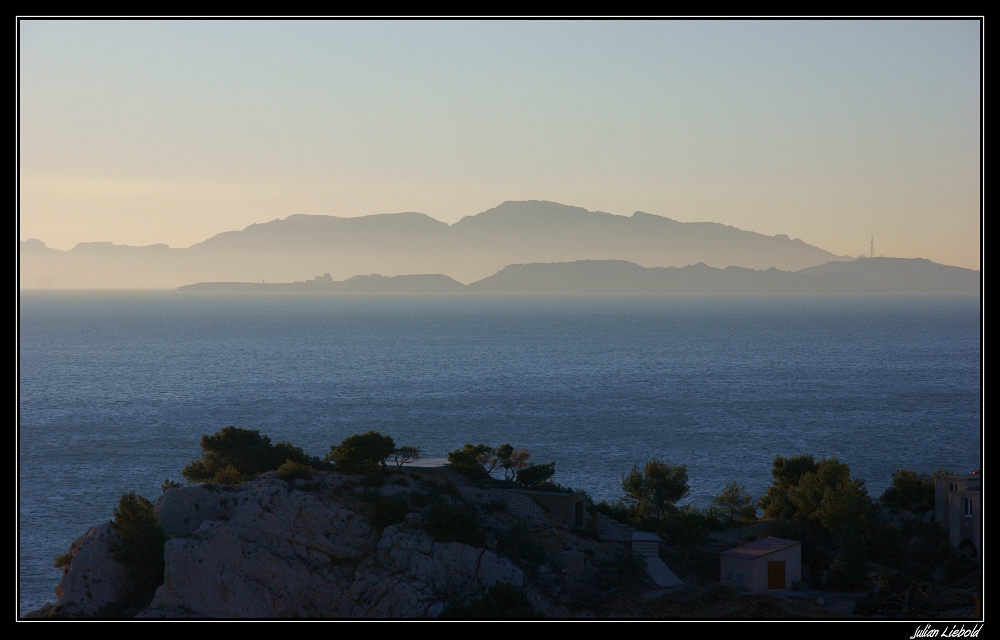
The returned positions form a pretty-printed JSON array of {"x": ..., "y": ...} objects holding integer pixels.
[{"x": 776, "y": 574}]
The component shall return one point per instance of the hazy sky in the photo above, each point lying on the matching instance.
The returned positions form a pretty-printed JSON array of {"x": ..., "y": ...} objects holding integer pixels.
[{"x": 146, "y": 132}]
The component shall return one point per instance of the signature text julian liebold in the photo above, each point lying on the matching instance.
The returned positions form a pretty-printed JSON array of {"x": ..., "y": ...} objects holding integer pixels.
[{"x": 948, "y": 632}]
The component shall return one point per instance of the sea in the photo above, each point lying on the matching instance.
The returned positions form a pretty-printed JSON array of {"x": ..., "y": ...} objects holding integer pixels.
[{"x": 115, "y": 389}]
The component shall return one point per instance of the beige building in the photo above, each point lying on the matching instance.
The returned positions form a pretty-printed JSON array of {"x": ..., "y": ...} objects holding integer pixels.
[
  {"x": 769, "y": 564},
  {"x": 957, "y": 508}
]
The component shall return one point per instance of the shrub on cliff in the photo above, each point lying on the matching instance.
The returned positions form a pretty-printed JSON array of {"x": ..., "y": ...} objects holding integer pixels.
[
  {"x": 141, "y": 548},
  {"x": 454, "y": 523},
  {"x": 387, "y": 511},
  {"x": 526, "y": 552},
  {"x": 64, "y": 560},
  {"x": 475, "y": 462},
  {"x": 245, "y": 451},
  {"x": 501, "y": 602},
  {"x": 512, "y": 460},
  {"x": 534, "y": 475},
  {"x": 229, "y": 475},
  {"x": 292, "y": 470},
  {"x": 362, "y": 453},
  {"x": 402, "y": 455}
]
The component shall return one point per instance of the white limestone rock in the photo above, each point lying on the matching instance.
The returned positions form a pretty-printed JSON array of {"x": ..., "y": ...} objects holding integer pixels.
[
  {"x": 93, "y": 579},
  {"x": 270, "y": 549},
  {"x": 447, "y": 568},
  {"x": 183, "y": 509},
  {"x": 413, "y": 576},
  {"x": 281, "y": 552}
]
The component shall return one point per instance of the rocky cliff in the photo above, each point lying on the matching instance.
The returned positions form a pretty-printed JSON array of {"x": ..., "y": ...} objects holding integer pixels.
[{"x": 314, "y": 549}]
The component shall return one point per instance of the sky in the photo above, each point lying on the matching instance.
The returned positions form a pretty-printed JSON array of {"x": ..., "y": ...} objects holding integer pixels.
[{"x": 144, "y": 132}]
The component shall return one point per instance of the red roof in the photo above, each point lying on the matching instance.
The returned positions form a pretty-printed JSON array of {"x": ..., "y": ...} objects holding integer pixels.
[{"x": 761, "y": 547}]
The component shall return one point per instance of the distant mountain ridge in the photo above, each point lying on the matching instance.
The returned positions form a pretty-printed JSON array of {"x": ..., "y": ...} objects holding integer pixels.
[
  {"x": 865, "y": 275},
  {"x": 473, "y": 248},
  {"x": 429, "y": 283}
]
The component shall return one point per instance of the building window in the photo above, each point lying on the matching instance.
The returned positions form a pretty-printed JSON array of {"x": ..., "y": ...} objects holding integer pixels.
[
  {"x": 739, "y": 578},
  {"x": 967, "y": 507},
  {"x": 729, "y": 575},
  {"x": 952, "y": 486}
]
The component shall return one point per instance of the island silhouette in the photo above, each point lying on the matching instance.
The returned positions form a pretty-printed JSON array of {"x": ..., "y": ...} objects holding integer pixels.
[{"x": 864, "y": 275}]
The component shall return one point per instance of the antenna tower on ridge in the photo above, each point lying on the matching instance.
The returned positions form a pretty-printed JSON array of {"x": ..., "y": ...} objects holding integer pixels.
[{"x": 872, "y": 254}]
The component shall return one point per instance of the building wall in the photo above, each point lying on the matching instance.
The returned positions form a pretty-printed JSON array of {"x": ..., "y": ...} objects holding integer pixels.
[
  {"x": 793, "y": 567},
  {"x": 941, "y": 492},
  {"x": 754, "y": 571},
  {"x": 948, "y": 508},
  {"x": 733, "y": 569},
  {"x": 960, "y": 526}
]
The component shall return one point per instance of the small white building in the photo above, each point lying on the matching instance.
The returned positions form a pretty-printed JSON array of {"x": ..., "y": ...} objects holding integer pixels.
[{"x": 763, "y": 565}]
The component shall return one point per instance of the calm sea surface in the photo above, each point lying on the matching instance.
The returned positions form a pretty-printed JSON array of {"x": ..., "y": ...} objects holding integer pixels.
[{"x": 117, "y": 388}]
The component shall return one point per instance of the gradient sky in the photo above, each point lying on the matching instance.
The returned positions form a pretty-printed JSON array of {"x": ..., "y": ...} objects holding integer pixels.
[{"x": 147, "y": 132}]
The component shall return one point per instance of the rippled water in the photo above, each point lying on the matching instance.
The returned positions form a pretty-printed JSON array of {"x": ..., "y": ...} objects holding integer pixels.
[{"x": 116, "y": 389}]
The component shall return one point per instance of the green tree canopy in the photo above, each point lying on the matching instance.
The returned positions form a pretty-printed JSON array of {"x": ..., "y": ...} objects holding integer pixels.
[
  {"x": 512, "y": 460},
  {"x": 402, "y": 455},
  {"x": 475, "y": 461},
  {"x": 533, "y": 475},
  {"x": 818, "y": 493},
  {"x": 829, "y": 496},
  {"x": 735, "y": 504},
  {"x": 141, "y": 547},
  {"x": 240, "y": 454},
  {"x": 292, "y": 470},
  {"x": 362, "y": 453},
  {"x": 786, "y": 473},
  {"x": 654, "y": 489},
  {"x": 910, "y": 491},
  {"x": 480, "y": 460}
]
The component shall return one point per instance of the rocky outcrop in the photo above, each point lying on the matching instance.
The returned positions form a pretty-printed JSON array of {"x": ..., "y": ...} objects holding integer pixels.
[
  {"x": 181, "y": 511},
  {"x": 272, "y": 549},
  {"x": 411, "y": 576},
  {"x": 92, "y": 579},
  {"x": 265, "y": 550}
]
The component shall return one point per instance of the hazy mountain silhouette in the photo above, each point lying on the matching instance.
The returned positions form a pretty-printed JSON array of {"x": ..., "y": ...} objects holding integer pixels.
[
  {"x": 617, "y": 276},
  {"x": 877, "y": 275},
  {"x": 406, "y": 243},
  {"x": 430, "y": 283},
  {"x": 902, "y": 274}
]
